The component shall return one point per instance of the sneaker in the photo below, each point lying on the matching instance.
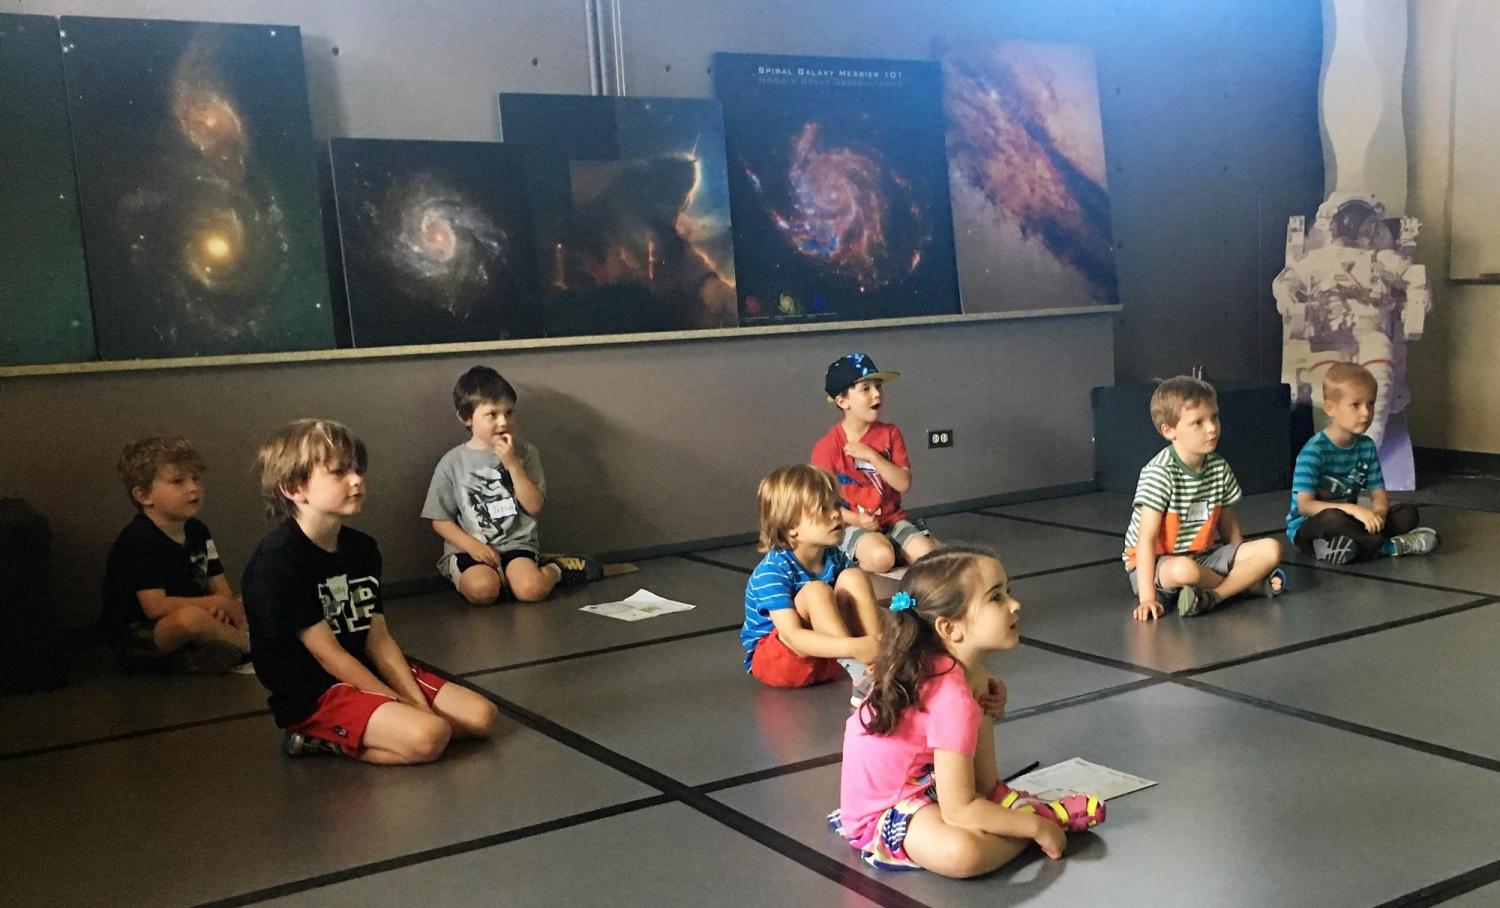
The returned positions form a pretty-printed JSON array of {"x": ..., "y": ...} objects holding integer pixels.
[
  {"x": 576, "y": 569},
  {"x": 204, "y": 659},
  {"x": 296, "y": 744},
  {"x": 1074, "y": 813},
  {"x": 1338, "y": 550},
  {"x": 1192, "y": 602},
  {"x": 862, "y": 687},
  {"x": 1416, "y": 542}
]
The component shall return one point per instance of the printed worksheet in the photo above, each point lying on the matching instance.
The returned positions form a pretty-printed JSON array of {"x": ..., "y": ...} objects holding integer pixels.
[
  {"x": 638, "y": 605},
  {"x": 1079, "y": 776}
]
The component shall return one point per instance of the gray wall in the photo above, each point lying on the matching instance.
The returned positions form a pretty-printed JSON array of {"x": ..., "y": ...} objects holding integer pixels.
[{"x": 1209, "y": 115}]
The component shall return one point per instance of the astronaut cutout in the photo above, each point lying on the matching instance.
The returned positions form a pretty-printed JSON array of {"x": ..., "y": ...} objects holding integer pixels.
[{"x": 1350, "y": 292}]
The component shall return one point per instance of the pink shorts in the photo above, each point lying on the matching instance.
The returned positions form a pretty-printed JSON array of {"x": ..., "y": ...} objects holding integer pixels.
[{"x": 344, "y": 711}]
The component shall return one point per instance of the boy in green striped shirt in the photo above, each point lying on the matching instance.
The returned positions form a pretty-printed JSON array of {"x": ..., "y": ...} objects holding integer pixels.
[{"x": 1184, "y": 543}]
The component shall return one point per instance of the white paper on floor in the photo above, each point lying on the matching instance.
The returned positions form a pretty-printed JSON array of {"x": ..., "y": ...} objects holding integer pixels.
[
  {"x": 638, "y": 605},
  {"x": 1079, "y": 776}
]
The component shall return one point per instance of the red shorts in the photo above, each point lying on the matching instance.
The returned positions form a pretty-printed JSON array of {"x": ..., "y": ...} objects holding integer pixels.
[
  {"x": 344, "y": 710},
  {"x": 772, "y": 663}
]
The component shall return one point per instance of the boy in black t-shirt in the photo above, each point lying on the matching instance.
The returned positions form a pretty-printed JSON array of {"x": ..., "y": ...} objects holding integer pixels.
[
  {"x": 164, "y": 587},
  {"x": 338, "y": 681}
]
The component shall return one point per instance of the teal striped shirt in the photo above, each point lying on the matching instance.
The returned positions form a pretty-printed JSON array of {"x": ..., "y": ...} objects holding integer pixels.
[{"x": 1333, "y": 473}]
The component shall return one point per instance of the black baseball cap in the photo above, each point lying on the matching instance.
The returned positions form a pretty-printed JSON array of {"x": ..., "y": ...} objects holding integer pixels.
[{"x": 846, "y": 371}]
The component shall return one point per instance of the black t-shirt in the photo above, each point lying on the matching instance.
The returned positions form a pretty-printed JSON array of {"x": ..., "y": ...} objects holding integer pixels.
[
  {"x": 145, "y": 558},
  {"x": 290, "y": 584}
]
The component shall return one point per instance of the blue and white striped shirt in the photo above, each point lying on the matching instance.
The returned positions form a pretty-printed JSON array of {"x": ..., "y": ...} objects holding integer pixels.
[
  {"x": 1333, "y": 473},
  {"x": 773, "y": 585}
]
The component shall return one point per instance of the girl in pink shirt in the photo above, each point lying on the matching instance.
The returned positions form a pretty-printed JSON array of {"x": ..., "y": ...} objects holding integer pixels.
[{"x": 920, "y": 788}]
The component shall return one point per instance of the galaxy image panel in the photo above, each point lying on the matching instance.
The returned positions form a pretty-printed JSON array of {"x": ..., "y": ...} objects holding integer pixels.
[
  {"x": 631, "y": 197},
  {"x": 44, "y": 293},
  {"x": 437, "y": 241},
  {"x": 839, "y": 187},
  {"x": 196, "y": 176},
  {"x": 1027, "y": 171}
]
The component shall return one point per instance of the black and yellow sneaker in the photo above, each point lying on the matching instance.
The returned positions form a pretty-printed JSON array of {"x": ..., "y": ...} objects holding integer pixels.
[{"x": 576, "y": 569}]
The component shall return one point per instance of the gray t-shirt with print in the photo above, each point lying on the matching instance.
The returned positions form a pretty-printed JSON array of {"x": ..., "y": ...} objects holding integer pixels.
[{"x": 471, "y": 488}]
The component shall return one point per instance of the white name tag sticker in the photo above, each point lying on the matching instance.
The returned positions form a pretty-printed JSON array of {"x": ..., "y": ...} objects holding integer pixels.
[
  {"x": 503, "y": 508},
  {"x": 1198, "y": 511},
  {"x": 211, "y": 550},
  {"x": 864, "y": 466}
]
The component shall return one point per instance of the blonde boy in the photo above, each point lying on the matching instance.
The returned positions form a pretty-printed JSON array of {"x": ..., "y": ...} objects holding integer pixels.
[
  {"x": 164, "y": 586},
  {"x": 1184, "y": 542},
  {"x": 1334, "y": 468},
  {"x": 338, "y": 681},
  {"x": 809, "y": 615}
]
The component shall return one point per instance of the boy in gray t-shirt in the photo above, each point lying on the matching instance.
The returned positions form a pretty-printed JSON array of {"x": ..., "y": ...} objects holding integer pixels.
[{"x": 484, "y": 498}]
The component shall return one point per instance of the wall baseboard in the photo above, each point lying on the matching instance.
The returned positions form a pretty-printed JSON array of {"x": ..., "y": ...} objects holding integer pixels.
[{"x": 1442, "y": 461}]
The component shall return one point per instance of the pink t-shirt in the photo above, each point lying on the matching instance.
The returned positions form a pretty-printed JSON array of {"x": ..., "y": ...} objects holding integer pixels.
[{"x": 882, "y": 770}]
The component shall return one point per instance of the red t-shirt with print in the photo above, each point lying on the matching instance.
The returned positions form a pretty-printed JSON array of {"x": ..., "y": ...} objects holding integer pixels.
[{"x": 860, "y": 486}]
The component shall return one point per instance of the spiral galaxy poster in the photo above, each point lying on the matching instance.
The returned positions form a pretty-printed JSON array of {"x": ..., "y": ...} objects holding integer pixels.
[
  {"x": 437, "y": 241},
  {"x": 44, "y": 293},
  {"x": 1030, "y": 200},
  {"x": 839, "y": 187},
  {"x": 197, "y": 181},
  {"x": 632, "y": 211}
]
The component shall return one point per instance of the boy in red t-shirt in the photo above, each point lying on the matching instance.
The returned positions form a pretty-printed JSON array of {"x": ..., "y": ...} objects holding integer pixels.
[{"x": 868, "y": 457}]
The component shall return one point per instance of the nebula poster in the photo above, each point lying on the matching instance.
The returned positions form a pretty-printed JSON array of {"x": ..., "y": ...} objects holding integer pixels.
[
  {"x": 196, "y": 174},
  {"x": 839, "y": 187},
  {"x": 632, "y": 211},
  {"x": 437, "y": 241},
  {"x": 1026, "y": 167},
  {"x": 44, "y": 293}
]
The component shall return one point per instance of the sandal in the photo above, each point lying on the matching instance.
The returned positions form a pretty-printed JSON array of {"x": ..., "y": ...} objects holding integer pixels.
[
  {"x": 1191, "y": 601},
  {"x": 1268, "y": 588},
  {"x": 1074, "y": 813}
]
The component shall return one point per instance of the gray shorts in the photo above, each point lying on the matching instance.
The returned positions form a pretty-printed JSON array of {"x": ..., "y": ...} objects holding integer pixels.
[
  {"x": 1219, "y": 560},
  {"x": 899, "y": 533}
]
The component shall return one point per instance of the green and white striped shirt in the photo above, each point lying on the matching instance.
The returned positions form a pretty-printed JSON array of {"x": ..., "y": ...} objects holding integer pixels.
[{"x": 1190, "y": 503}]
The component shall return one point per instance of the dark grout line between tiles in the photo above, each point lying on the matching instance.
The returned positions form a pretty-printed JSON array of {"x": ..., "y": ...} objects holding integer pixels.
[
  {"x": 126, "y": 736},
  {"x": 619, "y": 647},
  {"x": 1368, "y": 731},
  {"x": 1451, "y": 888},
  {"x": 431, "y": 854},
  {"x": 712, "y": 562},
  {"x": 1055, "y": 524}
]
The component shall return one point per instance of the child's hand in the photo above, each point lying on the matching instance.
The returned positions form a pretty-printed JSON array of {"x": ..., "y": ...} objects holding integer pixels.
[
  {"x": 867, "y": 522},
  {"x": 1148, "y": 610},
  {"x": 1372, "y": 522},
  {"x": 860, "y": 451},
  {"x": 993, "y": 702},
  {"x": 505, "y": 447},
  {"x": 483, "y": 554},
  {"x": 1050, "y": 837}
]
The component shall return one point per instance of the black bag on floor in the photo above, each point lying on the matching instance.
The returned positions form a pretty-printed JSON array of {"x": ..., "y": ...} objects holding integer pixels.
[{"x": 30, "y": 651}]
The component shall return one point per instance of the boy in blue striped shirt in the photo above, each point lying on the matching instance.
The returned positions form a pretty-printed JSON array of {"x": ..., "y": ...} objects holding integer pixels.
[
  {"x": 810, "y": 616},
  {"x": 1334, "y": 467}
]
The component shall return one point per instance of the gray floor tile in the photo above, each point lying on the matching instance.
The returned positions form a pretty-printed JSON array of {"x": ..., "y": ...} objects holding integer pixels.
[
  {"x": 203, "y": 813},
  {"x": 1252, "y": 809},
  {"x": 1024, "y": 547},
  {"x": 666, "y": 856},
  {"x": 688, "y": 709},
  {"x": 1465, "y": 559},
  {"x": 1432, "y": 681},
  {"x": 443, "y": 629},
  {"x": 1090, "y": 610},
  {"x": 105, "y": 705},
  {"x": 1109, "y": 511}
]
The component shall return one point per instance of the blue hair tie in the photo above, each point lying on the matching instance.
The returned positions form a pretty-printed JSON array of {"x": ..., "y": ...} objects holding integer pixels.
[{"x": 902, "y": 601}]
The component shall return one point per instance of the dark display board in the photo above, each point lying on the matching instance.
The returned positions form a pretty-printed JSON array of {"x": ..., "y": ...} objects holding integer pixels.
[
  {"x": 44, "y": 292},
  {"x": 632, "y": 211},
  {"x": 196, "y": 171},
  {"x": 839, "y": 186}
]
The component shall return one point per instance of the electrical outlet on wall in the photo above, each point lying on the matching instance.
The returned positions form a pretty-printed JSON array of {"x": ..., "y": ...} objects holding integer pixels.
[{"x": 939, "y": 438}]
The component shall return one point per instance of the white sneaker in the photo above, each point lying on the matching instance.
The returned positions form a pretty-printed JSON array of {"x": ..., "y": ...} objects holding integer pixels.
[{"x": 1416, "y": 542}]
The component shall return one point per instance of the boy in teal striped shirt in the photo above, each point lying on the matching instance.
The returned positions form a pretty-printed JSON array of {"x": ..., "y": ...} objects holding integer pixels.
[
  {"x": 1184, "y": 543},
  {"x": 1334, "y": 467}
]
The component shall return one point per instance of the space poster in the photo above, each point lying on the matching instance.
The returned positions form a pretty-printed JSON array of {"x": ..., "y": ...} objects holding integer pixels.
[
  {"x": 838, "y": 182},
  {"x": 197, "y": 183}
]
